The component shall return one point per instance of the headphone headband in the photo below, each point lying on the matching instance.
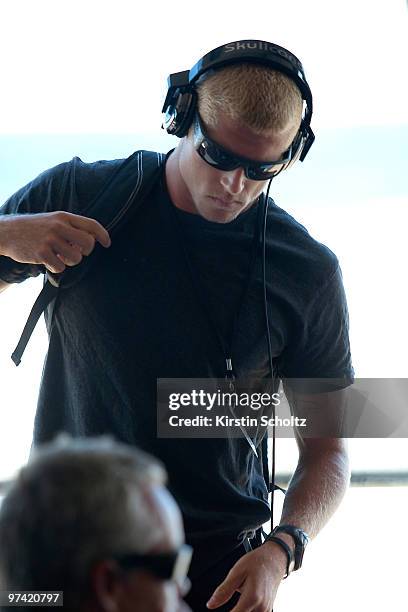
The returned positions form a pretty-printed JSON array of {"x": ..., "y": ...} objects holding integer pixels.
[
  {"x": 180, "y": 103},
  {"x": 257, "y": 52}
]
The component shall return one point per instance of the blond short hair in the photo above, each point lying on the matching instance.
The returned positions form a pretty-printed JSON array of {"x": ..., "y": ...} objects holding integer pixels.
[{"x": 261, "y": 98}]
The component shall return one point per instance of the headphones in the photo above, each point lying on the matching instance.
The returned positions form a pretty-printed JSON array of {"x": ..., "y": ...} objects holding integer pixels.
[{"x": 181, "y": 100}]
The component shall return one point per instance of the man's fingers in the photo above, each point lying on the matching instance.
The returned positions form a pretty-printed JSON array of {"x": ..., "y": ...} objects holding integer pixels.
[
  {"x": 80, "y": 239},
  {"x": 74, "y": 240},
  {"x": 69, "y": 254},
  {"x": 249, "y": 602},
  {"x": 92, "y": 227},
  {"x": 54, "y": 239},
  {"x": 54, "y": 264},
  {"x": 225, "y": 591},
  {"x": 70, "y": 261}
]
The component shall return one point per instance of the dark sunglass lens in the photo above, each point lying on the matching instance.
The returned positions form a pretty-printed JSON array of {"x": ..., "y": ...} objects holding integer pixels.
[
  {"x": 263, "y": 172},
  {"x": 217, "y": 157},
  {"x": 257, "y": 174}
]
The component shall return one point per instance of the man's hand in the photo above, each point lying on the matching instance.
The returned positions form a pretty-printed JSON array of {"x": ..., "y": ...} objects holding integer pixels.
[
  {"x": 256, "y": 576},
  {"x": 55, "y": 240}
]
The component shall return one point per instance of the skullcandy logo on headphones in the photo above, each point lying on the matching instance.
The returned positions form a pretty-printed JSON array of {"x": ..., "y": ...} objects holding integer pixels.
[{"x": 262, "y": 46}]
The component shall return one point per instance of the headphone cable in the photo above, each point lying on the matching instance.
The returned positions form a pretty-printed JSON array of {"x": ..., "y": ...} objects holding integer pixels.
[{"x": 268, "y": 337}]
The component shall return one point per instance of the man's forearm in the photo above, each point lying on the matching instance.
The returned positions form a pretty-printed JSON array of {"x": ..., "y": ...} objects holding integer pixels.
[
  {"x": 316, "y": 489},
  {"x": 317, "y": 486}
]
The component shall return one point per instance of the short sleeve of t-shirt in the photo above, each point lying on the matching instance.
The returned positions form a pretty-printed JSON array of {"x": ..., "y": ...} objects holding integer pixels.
[
  {"x": 321, "y": 359},
  {"x": 68, "y": 186}
]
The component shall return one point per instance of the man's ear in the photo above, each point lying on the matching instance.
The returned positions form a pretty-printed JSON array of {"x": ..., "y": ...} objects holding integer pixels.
[{"x": 106, "y": 585}]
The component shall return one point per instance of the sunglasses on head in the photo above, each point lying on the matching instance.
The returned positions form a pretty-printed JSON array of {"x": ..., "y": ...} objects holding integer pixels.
[
  {"x": 216, "y": 156},
  {"x": 168, "y": 566}
]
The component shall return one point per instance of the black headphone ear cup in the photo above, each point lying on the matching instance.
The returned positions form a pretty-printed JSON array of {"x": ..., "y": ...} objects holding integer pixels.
[
  {"x": 180, "y": 112},
  {"x": 188, "y": 114},
  {"x": 297, "y": 147}
]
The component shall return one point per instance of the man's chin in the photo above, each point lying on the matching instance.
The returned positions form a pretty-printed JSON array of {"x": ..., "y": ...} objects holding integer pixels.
[
  {"x": 219, "y": 216},
  {"x": 217, "y": 212}
]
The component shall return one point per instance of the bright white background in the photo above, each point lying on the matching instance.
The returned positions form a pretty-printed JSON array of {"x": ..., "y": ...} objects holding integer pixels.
[
  {"x": 98, "y": 66},
  {"x": 88, "y": 78}
]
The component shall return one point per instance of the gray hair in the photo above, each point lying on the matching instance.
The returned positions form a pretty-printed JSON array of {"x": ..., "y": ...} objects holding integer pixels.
[{"x": 72, "y": 505}]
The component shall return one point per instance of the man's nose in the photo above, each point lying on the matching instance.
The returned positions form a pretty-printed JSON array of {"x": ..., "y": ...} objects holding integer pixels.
[{"x": 234, "y": 181}]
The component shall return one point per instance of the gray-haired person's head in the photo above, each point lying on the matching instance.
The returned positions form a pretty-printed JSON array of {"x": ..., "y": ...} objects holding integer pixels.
[{"x": 74, "y": 503}]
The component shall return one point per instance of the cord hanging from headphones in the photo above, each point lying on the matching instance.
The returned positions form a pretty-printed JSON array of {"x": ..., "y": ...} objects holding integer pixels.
[{"x": 268, "y": 339}]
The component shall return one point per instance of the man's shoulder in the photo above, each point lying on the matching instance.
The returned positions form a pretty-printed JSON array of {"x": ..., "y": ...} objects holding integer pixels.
[
  {"x": 56, "y": 175},
  {"x": 100, "y": 167},
  {"x": 88, "y": 178},
  {"x": 62, "y": 186},
  {"x": 305, "y": 259}
]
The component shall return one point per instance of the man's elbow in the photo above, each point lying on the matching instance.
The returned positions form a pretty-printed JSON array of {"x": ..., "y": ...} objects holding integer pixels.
[{"x": 330, "y": 451}]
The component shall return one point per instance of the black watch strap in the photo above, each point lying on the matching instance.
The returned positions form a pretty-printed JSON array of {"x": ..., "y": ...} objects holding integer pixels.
[
  {"x": 289, "y": 554},
  {"x": 300, "y": 538}
]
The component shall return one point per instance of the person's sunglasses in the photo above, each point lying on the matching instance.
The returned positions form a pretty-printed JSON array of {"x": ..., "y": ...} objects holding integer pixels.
[
  {"x": 216, "y": 156},
  {"x": 168, "y": 566}
]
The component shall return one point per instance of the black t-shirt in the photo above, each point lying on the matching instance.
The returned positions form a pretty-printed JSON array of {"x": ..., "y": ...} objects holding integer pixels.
[{"x": 138, "y": 316}]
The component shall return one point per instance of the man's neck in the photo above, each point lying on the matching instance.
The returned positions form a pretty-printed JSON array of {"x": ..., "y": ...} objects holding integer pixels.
[{"x": 176, "y": 186}]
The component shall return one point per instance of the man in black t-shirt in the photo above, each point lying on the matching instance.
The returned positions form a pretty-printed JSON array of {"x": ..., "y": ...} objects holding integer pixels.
[{"x": 177, "y": 294}]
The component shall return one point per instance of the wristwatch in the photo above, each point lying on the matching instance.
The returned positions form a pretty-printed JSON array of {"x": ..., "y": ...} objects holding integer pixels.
[{"x": 300, "y": 538}]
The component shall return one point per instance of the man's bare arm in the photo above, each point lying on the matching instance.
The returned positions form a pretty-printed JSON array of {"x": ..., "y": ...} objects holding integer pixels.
[{"x": 322, "y": 475}]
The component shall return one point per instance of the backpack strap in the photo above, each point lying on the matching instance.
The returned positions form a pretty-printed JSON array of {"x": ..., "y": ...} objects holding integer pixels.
[{"x": 121, "y": 198}]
